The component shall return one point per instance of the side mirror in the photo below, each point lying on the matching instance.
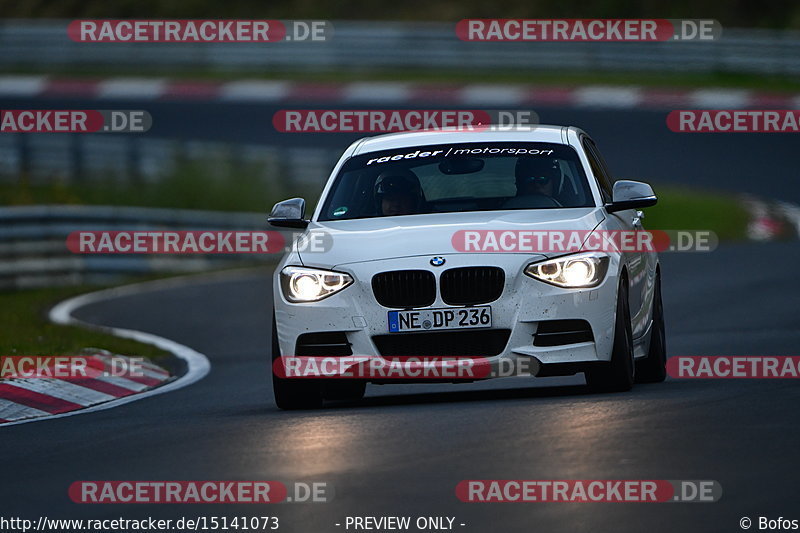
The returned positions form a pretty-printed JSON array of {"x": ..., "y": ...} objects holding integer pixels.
[
  {"x": 631, "y": 195},
  {"x": 289, "y": 214}
]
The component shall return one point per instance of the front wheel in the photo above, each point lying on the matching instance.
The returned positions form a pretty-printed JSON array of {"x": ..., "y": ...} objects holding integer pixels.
[
  {"x": 617, "y": 374},
  {"x": 291, "y": 394}
]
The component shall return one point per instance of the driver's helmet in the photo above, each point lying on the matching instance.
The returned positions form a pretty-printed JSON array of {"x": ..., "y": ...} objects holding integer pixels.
[
  {"x": 536, "y": 170},
  {"x": 398, "y": 182}
]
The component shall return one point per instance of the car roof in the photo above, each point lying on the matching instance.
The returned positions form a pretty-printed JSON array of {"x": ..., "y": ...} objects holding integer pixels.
[{"x": 389, "y": 141}]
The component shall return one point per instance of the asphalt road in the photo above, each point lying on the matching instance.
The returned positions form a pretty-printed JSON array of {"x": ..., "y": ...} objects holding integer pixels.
[{"x": 403, "y": 450}]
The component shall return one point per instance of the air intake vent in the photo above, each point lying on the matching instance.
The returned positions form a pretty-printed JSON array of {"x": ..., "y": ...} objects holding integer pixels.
[
  {"x": 325, "y": 344},
  {"x": 403, "y": 289},
  {"x": 472, "y": 285},
  {"x": 560, "y": 332}
]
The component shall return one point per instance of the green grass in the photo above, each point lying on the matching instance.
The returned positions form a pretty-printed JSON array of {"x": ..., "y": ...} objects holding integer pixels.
[
  {"x": 191, "y": 186},
  {"x": 683, "y": 208},
  {"x": 26, "y": 330}
]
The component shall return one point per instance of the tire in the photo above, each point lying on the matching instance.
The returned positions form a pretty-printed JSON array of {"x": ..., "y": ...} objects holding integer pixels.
[
  {"x": 617, "y": 374},
  {"x": 292, "y": 394},
  {"x": 653, "y": 368}
]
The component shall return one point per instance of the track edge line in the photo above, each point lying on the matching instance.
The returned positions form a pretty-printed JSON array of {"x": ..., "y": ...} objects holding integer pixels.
[{"x": 197, "y": 364}]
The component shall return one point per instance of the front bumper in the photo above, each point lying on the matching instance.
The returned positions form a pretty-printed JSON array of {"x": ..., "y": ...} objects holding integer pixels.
[{"x": 524, "y": 305}]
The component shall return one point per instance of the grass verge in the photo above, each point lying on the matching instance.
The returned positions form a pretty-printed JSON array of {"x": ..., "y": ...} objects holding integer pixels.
[
  {"x": 683, "y": 208},
  {"x": 192, "y": 185},
  {"x": 26, "y": 330}
]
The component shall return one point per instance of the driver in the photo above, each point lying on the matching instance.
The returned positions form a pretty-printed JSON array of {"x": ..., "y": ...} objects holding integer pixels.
[
  {"x": 537, "y": 176},
  {"x": 398, "y": 192}
]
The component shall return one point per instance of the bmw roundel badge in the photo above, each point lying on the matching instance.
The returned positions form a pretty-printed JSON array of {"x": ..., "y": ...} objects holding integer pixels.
[{"x": 437, "y": 261}]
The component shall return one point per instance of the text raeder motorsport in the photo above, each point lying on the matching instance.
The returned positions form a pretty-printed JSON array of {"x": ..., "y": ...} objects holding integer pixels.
[{"x": 460, "y": 151}]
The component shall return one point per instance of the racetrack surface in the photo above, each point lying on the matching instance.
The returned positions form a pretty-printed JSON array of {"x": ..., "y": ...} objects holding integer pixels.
[{"x": 403, "y": 450}]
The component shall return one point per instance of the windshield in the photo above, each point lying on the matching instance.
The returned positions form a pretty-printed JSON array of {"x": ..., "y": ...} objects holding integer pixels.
[{"x": 457, "y": 178}]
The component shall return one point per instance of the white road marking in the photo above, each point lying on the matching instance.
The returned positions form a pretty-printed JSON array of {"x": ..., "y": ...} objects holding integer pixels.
[
  {"x": 22, "y": 85},
  {"x": 123, "y": 383},
  {"x": 63, "y": 390},
  {"x": 146, "y": 88},
  {"x": 719, "y": 98},
  {"x": 616, "y": 97},
  {"x": 15, "y": 411},
  {"x": 377, "y": 92},
  {"x": 197, "y": 364},
  {"x": 255, "y": 90}
]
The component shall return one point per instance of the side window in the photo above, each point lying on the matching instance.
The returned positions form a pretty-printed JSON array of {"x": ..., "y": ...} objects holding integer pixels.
[{"x": 599, "y": 168}]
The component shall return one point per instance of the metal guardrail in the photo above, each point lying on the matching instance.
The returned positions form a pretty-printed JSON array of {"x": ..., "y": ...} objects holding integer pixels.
[
  {"x": 357, "y": 46},
  {"x": 45, "y": 158},
  {"x": 33, "y": 250}
]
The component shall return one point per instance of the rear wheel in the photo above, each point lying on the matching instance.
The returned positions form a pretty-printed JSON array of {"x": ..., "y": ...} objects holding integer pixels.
[
  {"x": 617, "y": 374},
  {"x": 653, "y": 368},
  {"x": 304, "y": 393}
]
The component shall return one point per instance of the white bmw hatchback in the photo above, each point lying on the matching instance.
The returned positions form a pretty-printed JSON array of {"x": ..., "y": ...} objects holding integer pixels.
[{"x": 431, "y": 251}]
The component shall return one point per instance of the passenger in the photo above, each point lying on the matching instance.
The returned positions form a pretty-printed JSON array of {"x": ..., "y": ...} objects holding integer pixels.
[{"x": 537, "y": 176}]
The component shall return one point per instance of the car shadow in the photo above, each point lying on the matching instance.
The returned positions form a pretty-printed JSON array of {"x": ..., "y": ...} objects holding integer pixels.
[
  {"x": 460, "y": 396},
  {"x": 487, "y": 395}
]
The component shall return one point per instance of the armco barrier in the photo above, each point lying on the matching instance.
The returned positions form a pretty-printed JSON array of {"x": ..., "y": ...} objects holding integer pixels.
[
  {"x": 33, "y": 251},
  {"x": 359, "y": 46}
]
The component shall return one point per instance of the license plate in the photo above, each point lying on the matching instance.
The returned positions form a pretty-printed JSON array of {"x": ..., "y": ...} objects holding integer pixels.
[{"x": 437, "y": 319}]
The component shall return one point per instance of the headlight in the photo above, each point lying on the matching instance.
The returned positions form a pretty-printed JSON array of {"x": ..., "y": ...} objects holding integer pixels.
[
  {"x": 300, "y": 284},
  {"x": 571, "y": 271}
]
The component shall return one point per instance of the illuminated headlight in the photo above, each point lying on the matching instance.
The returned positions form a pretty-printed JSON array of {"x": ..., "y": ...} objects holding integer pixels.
[
  {"x": 300, "y": 284},
  {"x": 571, "y": 271}
]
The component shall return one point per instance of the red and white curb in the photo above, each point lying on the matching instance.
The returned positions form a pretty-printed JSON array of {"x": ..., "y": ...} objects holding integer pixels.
[
  {"x": 34, "y": 399},
  {"x": 278, "y": 91},
  {"x": 22, "y": 398},
  {"x": 772, "y": 220}
]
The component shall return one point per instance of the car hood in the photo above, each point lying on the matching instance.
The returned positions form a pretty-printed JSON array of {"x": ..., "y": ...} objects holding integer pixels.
[{"x": 375, "y": 239}]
